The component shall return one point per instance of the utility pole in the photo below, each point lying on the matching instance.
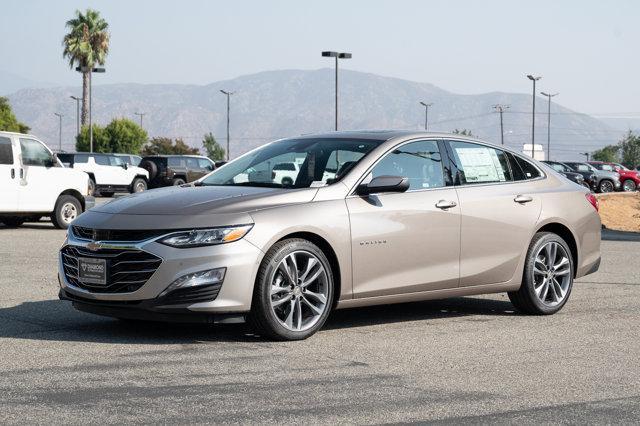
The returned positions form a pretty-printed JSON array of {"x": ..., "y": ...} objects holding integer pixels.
[
  {"x": 140, "y": 114},
  {"x": 60, "y": 131},
  {"x": 500, "y": 108},
  {"x": 336, "y": 55},
  {"x": 549, "y": 96},
  {"x": 228, "y": 94},
  {"x": 533, "y": 114},
  {"x": 77, "y": 99},
  {"x": 426, "y": 114},
  {"x": 585, "y": 154}
]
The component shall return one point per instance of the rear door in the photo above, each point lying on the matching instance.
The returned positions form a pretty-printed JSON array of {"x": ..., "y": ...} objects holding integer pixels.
[
  {"x": 194, "y": 172},
  {"x": 499, "y": 207},
  {"x": 9, "y": 175}
]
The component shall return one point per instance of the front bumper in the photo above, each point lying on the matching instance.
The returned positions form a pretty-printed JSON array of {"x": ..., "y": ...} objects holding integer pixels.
[{"x": 241, "y": 260}]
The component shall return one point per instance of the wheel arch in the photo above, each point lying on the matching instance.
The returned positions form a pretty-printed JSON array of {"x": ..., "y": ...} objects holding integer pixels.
[
  {"x": 565, "y": 233},
  {"x": 74, "y": 193}
]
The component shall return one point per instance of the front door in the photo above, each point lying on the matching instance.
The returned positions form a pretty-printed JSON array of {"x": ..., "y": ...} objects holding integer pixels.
[
  {"x": 406, "y": 242},
  {"x": 9, "y": 176},
  {"x": 40, "y": 177}
]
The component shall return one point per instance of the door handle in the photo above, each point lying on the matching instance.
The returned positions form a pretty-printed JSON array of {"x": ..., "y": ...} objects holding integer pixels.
[
  {"x": 13, "y": 173},
  {"x": 21, "y": 173},
  {"x": 522, "y": 199},
  {"x": 444, "y": 204}
]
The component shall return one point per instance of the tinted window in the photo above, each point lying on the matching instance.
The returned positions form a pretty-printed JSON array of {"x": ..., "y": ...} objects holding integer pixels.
[
  {"x": 529, "y": 170},
  {"x": 192, "y": 163},
  {"x": 558, "y": 167},
  {"x": 480, "y": 164},
  {"x": 580, "y": 167},
  {"x": 175, "y": 161},
  {"x": 421, "y": 162},
  {"x": 6, "y": 151},
  {"x": 115, "y": 160},
  {"x": 82, "y": 158},
  {"x": 205, "y": 164},
  {"x": 102, "y": 160},
  {"x": 35, "y": 154}
]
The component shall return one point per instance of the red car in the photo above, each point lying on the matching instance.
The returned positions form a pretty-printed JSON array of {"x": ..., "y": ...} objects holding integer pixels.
[{"x": 630, "y": 179}]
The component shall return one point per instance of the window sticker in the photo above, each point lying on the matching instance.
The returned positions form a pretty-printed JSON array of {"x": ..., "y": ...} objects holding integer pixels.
[{"x": 480, "y": 164}]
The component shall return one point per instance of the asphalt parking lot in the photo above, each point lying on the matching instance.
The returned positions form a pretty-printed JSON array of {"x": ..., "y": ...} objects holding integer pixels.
[{"x": 466, "y": 360}]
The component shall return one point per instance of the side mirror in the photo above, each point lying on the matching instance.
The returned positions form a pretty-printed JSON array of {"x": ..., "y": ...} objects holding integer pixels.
[
  {"x": 384, "y": 184},
  {"x": 124, "y": 166}
]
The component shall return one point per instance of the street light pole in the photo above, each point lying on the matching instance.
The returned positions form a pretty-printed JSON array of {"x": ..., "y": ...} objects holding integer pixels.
[
  {"x": 336, "y": 55},
  {"x": 533, "y": 114},
  {"x": 140, "y": 114},
  {"x": 60, "y": 131},
  {"x": 585, "y": 154},
  {"x": 228, "y": 94},
  {"x": 500, "y": 108},
  {"x": 90, "y": 70},
  {"x": 77, "y": 99},
  {"x": 549, "y": 96},
  {"x": 426, "y": 114}
]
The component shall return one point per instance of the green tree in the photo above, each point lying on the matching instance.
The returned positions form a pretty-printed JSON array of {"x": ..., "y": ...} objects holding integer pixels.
[
  {"x": 630, "y": 149},
  {"x": 8, "y": 120},
  {"x": 101, "y": 141},
  {"x": 609, "y": 153},
  {"x": 167, "y": 146},
  {"x": 213, "y": 149},
  {"x": 464, "y": 132},
  {"x": 86, "y": 45},
  {"x": 120, "y": 136}
]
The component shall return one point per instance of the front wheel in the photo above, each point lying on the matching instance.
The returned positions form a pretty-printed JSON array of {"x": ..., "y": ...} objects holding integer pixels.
[
  {"x": 138, "y": 185},
  {"x": 178, "y": 182},
  {"x": 606, "y": 186},
  {"x": 548, "y": 276},
  {"x": 293, "y": 291},
  {"x": 629, "y": 185},
  {"x": 67, "y": 209}
]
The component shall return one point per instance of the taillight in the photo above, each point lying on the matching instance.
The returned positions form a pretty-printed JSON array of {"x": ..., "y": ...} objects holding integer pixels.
[{"x": 593, "y": 200}]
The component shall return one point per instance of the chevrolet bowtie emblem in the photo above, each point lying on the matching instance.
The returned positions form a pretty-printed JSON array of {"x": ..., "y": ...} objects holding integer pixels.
[{"x": 94, "y": 246}]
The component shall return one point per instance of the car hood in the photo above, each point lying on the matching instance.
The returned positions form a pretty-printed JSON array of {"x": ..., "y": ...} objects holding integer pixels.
[{"x": 204, "y": 200}]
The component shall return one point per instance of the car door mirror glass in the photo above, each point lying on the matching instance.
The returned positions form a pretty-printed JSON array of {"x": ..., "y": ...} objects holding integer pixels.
[{"x": 384, "y": 184}]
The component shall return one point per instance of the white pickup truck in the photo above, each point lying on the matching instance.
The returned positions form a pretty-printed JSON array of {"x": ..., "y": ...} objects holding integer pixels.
[
  {"x": 108, "y": 173},
  {"x": 34, "y": 183}
]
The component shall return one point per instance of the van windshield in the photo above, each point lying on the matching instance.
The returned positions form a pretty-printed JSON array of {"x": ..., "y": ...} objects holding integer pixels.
[{"x": 293, "y": 163}]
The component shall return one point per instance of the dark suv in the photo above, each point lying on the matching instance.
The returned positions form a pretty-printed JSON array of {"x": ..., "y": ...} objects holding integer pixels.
[{"x": 167, "y": 170}]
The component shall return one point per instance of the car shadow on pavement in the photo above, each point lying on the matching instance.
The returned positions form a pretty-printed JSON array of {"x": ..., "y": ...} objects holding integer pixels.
[{"x": 54, "y": 320}]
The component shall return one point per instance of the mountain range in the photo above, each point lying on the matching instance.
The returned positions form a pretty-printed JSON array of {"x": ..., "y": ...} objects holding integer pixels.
[{"x": 275, "y": 104}]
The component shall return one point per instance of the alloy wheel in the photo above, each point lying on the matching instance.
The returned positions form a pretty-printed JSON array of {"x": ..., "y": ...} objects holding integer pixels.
[
  {"x": 69, "y": 212},
  {"x": 299, "y": 291},
  {"x": 629, "y": 185},
  {"x": 606, "y": 186},
  {"x": 552, "y": 274},
  {"x": 140, "y": 186}
]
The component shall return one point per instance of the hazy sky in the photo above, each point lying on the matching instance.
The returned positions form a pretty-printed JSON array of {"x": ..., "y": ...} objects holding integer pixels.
[{"x": 589, "y": 51}]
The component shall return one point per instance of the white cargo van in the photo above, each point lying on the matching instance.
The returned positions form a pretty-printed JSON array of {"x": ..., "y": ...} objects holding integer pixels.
[{"x": 34, "y": 183}]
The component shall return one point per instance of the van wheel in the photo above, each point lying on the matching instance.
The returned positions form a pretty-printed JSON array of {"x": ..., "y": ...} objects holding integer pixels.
[
  {"x": 138, "y": 185},
  {"x": 293, "y": 292},
  {"x": 67, "y": 209},
  {"x": 12, "y": 221},
  {"x": 548, "y": 276},
  {"x": 178, "y": 182}
]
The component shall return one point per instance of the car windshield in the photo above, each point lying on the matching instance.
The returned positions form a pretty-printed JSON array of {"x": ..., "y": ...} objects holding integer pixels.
[{"x": 293, "y": 163}]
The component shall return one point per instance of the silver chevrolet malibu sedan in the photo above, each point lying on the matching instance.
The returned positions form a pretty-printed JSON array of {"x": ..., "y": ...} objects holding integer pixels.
[{"x": 298, "y": 227}]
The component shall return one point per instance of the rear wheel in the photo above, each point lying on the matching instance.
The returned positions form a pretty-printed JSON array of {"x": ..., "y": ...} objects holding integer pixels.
[
  {"x": 629, "y": 185},
  {"x": 606, "y": 186},
  {"x": 12, "y": 221},
  {"x": 92, "y": 186},
  {"x": 293, "y": 291},
  {"x": 67, "y": 209},
  {"x": 138, "y": 185},
  {"x": 178, "y": 182},
  {"x": 548, "y": 276}
]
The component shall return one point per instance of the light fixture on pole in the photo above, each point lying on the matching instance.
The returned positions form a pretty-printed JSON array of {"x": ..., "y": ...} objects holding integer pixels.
[
  {"x": 533, "y": 114},
  {"x": 77, "y": 99},
  {"x": 426, "y": 114},
  {"x": 336, "y": 55},
  {"x": 586, "y": 154},
  {"x": 228, "y": 94},
  {"x": 90, "y": 71},
  {"x": 60, "y": 130},
  {"x": 500, "y": 108},
  {"x": 140, "y": 114},
  {"x": 549, "y": 96}
]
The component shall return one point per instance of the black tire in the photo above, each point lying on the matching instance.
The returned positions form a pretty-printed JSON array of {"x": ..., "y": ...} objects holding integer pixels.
[
  {"x": 287, "y": 181},
  {"x": 605, "y": 186},
  {"x": 150, "y": 167},
  {"x": 138, "y": 185},
  {"x": 62, "y": 215},
  {"x": 92, "y": 186},
  {"x": 262, "y": 316},
  {"x": 13, "y": 221},
  {"x": 629, "y": 185},
  {"x": 525, "y": 299},
  {"x": 178, "y": 182}
]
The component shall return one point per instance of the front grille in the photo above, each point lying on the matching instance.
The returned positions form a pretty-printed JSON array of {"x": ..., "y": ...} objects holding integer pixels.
[
  {"x": 116, "y": 234},
  {"x": 205, "y": 293},
  {"x": 127, "y": 270}
]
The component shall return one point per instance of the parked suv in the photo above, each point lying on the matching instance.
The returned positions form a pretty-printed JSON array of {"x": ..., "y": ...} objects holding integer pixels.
[
  {"x": 630, "y": 178},
  {"x": 167, "y": 170},
  {"x": 606, "y": 181},
  {"x": 108, "y": 173},
  {"x": 34, "y": 183},
  {"x": 568, "y": 173}
]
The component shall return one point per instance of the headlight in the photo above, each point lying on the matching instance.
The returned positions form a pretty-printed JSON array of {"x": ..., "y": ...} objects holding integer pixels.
[{"x": 206, "y": 237}]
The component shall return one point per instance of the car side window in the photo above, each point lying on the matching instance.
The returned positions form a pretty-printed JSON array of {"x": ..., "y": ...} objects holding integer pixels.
[
  {"x": 192, "y": 163},
  {"x": 102, "y": 160},
  {"x": 205, "y": 164},
  {"x": 420, "y": 162},
  {"x": 480, "y": 164},
  {"x": 35, "y": 153},
  {"x": 114, "y": 160},
  {"x": 174, "y": 162},
  {"x": 529, "y": 170},
  {"x": 6, "y": 151},
  {"x": 81, "y": 158}
]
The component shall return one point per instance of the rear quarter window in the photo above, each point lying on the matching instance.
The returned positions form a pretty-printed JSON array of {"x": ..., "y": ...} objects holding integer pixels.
[
  {"x": 529, "y": 171},
  {"x": 6, "y": 151}
]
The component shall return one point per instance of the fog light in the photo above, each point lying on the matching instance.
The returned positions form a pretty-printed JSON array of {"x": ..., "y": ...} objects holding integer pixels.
[{"x": 196, "y": 279}]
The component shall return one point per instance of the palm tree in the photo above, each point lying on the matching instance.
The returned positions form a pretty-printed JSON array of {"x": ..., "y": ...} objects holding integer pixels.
[{"x": 86, "y": 45}]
